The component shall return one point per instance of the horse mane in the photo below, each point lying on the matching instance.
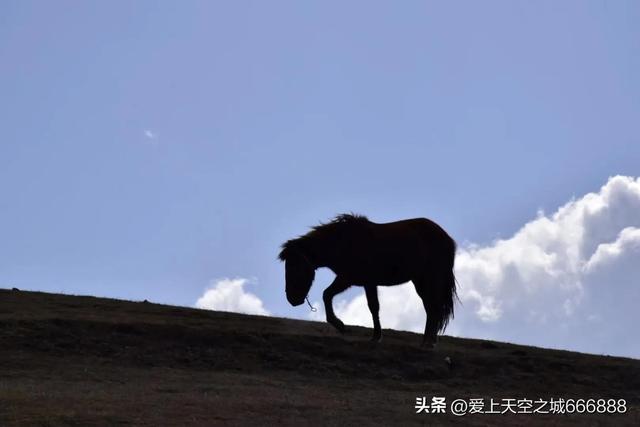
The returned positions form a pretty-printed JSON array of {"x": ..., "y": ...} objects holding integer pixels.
[{"x": 341, "y": 221}]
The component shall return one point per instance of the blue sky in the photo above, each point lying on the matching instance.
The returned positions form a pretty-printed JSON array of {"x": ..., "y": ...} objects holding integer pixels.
[{"x": 150, "y": 148}]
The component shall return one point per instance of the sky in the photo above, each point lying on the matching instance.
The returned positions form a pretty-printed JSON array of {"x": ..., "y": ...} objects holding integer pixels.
[{"x": 164, "y": 150}]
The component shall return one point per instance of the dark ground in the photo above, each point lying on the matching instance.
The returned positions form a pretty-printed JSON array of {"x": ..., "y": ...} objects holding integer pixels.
[{"x": 83, "y": 361}]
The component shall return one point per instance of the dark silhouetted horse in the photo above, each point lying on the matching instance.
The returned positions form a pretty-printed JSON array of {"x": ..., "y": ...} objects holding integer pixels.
[{"x": 363, "y": 253}]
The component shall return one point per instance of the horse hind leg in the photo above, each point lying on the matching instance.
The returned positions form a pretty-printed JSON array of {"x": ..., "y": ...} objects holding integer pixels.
[{"x": 429, "y": 299}]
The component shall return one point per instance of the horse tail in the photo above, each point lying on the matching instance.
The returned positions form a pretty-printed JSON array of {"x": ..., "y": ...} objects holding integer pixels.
[{"x": 447, "y": 292}]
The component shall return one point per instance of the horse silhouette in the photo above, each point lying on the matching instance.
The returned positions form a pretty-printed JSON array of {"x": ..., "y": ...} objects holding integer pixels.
[{"x": 367, "y": 254}]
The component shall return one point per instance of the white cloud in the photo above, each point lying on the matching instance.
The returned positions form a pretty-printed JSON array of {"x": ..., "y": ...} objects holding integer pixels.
[
  {"x": 150, "y": 134},
  {"x": 567, "y": 280},
  {"x": 229, "y": 295}
]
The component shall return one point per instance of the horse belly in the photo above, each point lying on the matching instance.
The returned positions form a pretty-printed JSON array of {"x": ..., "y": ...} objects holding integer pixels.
[{"x": 386, "y": 272}]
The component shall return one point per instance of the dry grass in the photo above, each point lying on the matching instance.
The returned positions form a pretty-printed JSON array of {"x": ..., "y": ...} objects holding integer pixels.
[{"x": 83, "y": 361}]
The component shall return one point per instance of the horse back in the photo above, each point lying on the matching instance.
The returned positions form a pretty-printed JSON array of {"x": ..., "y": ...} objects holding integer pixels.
[
  {"x": 417, "y": 234},
  {"x": 395, "y": 252}
]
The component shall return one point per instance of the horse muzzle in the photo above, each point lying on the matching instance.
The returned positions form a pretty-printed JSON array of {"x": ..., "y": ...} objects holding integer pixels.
[{"x": 295, "y": 301}]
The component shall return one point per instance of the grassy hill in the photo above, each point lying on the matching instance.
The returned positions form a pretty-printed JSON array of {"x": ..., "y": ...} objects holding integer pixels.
[{"x": 81, "y": 361}]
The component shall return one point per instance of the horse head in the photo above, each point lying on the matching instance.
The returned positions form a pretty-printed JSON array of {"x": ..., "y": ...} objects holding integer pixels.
[{"x": 299, "y": 275}]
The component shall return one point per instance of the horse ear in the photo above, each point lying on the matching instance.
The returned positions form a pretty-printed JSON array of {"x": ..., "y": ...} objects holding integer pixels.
[
  {"x": 293, "y": 253},
  {"x": 290, "y": 250},
  {"x": 282, "y": 256}
]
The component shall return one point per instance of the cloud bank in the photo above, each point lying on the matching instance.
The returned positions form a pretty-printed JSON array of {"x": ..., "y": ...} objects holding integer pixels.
[
  {"x": 567, "y": 280},
  {"x": 229, "y": 295}
]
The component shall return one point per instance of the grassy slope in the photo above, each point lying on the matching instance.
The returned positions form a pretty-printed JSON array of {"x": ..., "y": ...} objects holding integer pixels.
[{"x": 67, "y": 360}]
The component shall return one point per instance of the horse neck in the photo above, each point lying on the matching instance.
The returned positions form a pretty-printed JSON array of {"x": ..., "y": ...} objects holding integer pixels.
[{"x": 320, "y": 250}]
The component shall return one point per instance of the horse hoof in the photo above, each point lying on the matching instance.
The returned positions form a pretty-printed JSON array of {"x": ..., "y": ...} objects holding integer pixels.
[{"x": 340, "y": 327}]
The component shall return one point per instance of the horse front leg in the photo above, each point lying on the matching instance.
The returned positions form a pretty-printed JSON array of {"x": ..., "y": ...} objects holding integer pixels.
[
  {"x": 338, "y": 285},
  {"x": 374, "y": 308}
]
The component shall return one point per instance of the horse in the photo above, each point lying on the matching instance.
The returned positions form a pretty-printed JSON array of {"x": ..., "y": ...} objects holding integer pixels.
[{"x": 367, "y": 254}]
